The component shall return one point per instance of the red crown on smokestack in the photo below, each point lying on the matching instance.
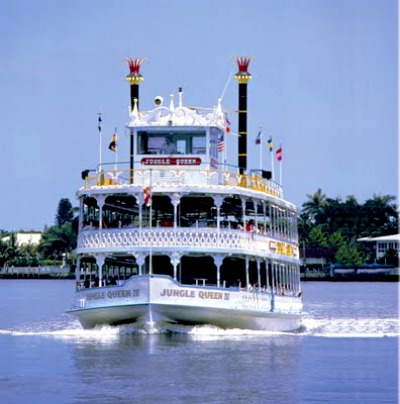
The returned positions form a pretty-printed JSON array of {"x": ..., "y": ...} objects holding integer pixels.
[
  {"x": 134, "y": 77},
  {"x": 243, "y": 76}
]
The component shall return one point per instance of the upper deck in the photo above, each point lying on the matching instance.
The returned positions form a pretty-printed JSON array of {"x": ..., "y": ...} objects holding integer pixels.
[
  {"x": 180, "y": 175},
  {"x": 180, "y": 147}
]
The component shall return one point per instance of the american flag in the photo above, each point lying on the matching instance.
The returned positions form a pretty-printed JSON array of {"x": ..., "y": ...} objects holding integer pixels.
[{"x": 221, "y": 143}]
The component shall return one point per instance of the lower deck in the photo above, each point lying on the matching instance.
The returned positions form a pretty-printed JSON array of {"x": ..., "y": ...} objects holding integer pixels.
[
  {"x": 158, "y": 299},
  {"x": 220, "y": 271}
]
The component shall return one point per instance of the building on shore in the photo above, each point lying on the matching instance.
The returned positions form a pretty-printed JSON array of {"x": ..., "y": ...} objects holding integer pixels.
[
  {"x": 383, "y": 244},
  {"x": 25, "y": 238}
]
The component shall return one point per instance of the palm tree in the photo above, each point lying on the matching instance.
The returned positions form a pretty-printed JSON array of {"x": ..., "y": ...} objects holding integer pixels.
[
  {"x": 58, "y": 240},
  {"x": 314, "y": 207},
  {"x": 382, "y": 215}
]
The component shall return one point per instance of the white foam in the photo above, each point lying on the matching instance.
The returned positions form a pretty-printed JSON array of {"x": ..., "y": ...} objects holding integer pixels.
[
  {"x": 351, "y": 327},
  {"x": 315, "y": 327}
]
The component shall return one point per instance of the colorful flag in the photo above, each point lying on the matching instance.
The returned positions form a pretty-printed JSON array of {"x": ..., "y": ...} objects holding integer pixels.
[
  {"x": 221, "y": 143},
  {"x": 113, "y": 142},
  {"x": 279, "y": 154},
  {"x": 270, "y": 145},
  {"x": 99, "y": 124},
  {"x": 227, "y": 125},
  {"x": 147, "y": 196},
  {"x": 258, "y": 138}
]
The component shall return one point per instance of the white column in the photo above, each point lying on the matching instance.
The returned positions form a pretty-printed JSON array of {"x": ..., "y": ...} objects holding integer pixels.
[
  {"x": 266, "y": 274},
  {"x": 270, "y": 219},
  {"x": 265, "y": 216},
  {"x": 81, "y": 199},
  {"x": 140, "y": 260},
  {"x": 244, "y": 213},
  {"x": 175, "y": 260},
  {"x": 100, "y": 203},
  {"x": 218, "y": 200},
  {"x": 273, "y": 276},
  {"x": 100, "y": 259},
  {"x": 255, "y": 206},
  {"x": 218, "y": 259},
  {"x": 139, "y": 201},
  {"x": 258, "y": 260},
  {"x": 175, "y": 199}
]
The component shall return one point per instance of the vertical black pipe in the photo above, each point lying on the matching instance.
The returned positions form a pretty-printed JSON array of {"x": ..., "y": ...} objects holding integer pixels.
[
  {"x": 242, "y": 128},
  {"x": 242, "y": 77},
  {"x": 134, "y": 78},
  {"x": 134, "y": 96}
]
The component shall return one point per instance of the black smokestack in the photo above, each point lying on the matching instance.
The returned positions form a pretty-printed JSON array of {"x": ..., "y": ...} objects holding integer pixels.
[
  {"x": 134, "y": 78},
  {"x": 243, "y": 77}
]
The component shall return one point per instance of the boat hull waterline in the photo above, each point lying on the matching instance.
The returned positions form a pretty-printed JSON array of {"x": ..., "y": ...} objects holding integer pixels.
[{"x": 153, "y": 301}]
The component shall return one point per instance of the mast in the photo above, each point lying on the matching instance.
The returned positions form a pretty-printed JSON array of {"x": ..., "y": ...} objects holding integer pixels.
[
  {"x": 134, "y": 78},
  {"x": 242, "y": 77}
]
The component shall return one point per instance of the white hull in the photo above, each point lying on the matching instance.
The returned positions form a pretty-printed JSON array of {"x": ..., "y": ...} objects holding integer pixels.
[{"x": 158, "y": 300}]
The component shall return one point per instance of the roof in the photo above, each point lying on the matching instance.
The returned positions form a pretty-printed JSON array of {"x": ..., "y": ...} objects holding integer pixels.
[
  {"x": 178, "y": 116},
  {"x": 392, "y": 237}
]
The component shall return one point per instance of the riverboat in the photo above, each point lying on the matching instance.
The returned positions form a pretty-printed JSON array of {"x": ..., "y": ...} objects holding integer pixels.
[{"x": 181, "y": 236}]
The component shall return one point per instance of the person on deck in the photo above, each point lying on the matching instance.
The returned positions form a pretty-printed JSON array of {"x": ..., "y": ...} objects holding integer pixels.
[{"x": 168, "y": 147}]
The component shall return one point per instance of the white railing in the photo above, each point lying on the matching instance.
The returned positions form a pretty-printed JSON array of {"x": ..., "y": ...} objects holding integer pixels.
[
  {"x": 185, "y": 239},
  {"x": 167, "y": 176}
]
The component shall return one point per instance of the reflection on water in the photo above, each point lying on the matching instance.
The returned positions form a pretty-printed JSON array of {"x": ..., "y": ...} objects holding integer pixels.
[{"x": 182, "y": 367}]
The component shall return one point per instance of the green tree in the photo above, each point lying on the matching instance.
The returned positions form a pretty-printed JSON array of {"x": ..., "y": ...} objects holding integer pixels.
[
  {"x": 9, "y": 249},
  {"x": 304, "y": 228},
  {"x": 314, "y": 206},
  {"x": 28, "y": 256},
  {"x": 349, "y": 255},
  {"x": 381, "y": 216},
  {"x": 336, "y": 240},
  {"x": 65, "y": 212},
  {"x": 317, "y": 238},
  {"x": 57, "y": 240}
]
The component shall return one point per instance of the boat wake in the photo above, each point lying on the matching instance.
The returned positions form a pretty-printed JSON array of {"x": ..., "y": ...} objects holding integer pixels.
[{"x": 320, "y": 327}]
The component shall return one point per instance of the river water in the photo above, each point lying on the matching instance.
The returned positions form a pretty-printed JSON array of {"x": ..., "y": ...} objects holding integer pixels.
[{"x": 346, "y": 352}]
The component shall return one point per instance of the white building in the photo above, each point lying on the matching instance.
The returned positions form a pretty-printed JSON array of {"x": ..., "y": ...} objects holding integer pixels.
[
  {"x": 383, "y": 243},
  {"x": 29, "y": 238}
]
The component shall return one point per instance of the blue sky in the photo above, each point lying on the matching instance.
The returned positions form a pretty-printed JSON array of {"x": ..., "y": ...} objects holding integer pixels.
[{"x": 324, "y": 85}]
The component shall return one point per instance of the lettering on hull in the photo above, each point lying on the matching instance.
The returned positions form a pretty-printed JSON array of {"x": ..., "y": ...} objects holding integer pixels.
[
  {"x": 192, "y": 294},
  {"x": 113, "y": 294}
]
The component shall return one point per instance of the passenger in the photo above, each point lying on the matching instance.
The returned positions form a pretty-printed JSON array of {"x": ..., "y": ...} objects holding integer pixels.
[
  {"x": 250, "y": 225},
  {"x": 168, "y": 147}
]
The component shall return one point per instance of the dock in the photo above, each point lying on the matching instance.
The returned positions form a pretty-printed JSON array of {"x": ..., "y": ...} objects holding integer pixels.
[{"x": 40, "y": 272}]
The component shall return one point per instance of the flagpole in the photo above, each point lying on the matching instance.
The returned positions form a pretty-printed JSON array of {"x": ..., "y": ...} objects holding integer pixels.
[
  {"x": 224, "y": 154},
  {"x": 272, "y": 165},
  {"x": 272, "y": 160},
  {"x": 280, "y": 167},
  {"x": 116, "y": 152},
  {"x": 99, "y": 127},
  {"x": 261, "y": 147},
  {"x": 226, "y": 85}
]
